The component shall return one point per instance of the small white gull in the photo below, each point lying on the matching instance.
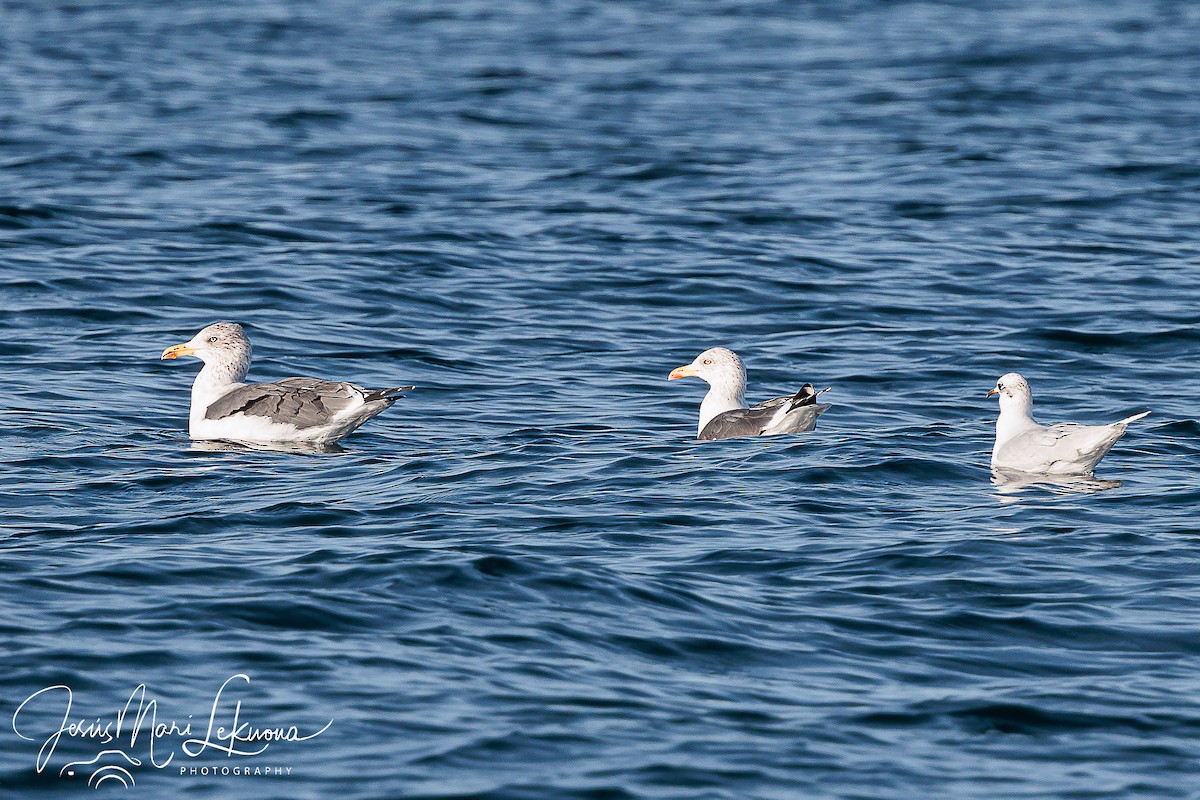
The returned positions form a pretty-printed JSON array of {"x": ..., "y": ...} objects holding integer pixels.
[
  {"x": 1022, "y": 445},
  {"x": 305, "y": 410},
  {"x": 724, "y": 414}
]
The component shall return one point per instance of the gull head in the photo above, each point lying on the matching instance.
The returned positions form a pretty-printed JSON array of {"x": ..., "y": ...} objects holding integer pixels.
[
  {"x": 222, "y": 344},
  {"x": 717, "y": 365},
  {"x": 1013, "y": 390}
]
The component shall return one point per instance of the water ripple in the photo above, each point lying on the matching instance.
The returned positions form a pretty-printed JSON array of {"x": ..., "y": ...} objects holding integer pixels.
[{"x": 528, "y": 579}]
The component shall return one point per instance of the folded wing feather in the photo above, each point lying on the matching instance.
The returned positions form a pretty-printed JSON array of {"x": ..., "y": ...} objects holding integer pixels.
[
  {"x": 302, "y": 402},
  {"x": 743, "y": 421},
  {"x": 799, "y": 410}
]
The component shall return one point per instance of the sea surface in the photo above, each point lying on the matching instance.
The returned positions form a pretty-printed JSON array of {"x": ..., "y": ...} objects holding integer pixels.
[{"x": 528, "y": 580}]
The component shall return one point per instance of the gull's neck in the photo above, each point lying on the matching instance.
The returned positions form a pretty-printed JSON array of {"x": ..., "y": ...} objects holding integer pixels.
[
  {"x": 215, "y": 381},
  {"x": 722, "y": 396},
  {"x": 1016, "y": 417}
]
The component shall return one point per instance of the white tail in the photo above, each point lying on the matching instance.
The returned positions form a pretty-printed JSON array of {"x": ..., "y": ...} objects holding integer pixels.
[{"x": 1134, "y": 418}]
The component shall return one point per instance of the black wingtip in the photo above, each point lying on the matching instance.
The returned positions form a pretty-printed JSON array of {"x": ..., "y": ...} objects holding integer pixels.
[
  {"x": 387, "y": 394},
  {"x": 806, "y": 396}
]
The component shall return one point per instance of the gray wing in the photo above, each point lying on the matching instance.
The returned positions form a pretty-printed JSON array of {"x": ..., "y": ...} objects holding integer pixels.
[
  {"x": 1067, "y": 439},
  {"x": 302, "y": 402},
  {"x": 1051, "y": 435},
  {"x": 743, "y": 421},
  {"x": 1059, "y": 447},
  {"x": 771, "y": 415}
]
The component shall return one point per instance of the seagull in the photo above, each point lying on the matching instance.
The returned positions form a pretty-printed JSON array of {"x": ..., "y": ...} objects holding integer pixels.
[
  {"x": 294, "y": 410},
  {"x": 1022, "y": 445},
  {"x": 724, "y": 414}
]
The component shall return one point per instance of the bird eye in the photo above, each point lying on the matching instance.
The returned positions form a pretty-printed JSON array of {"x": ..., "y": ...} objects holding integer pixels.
[
  {"x": 212, "y": 339},
  {"x": 708, "y": 361}
]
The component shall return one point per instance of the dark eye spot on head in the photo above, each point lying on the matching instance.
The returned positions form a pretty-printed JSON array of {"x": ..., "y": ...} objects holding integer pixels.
[
  {"x": 708, "y": 361},
  {"x": 212, "y": 338}
]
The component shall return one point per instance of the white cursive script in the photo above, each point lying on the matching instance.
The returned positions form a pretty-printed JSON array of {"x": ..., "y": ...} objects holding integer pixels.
[
  {"x": 139, "y": 718},
  {"x": 242, "y": 732}
]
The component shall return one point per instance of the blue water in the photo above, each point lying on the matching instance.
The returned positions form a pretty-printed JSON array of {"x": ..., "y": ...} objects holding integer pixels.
[{"x": 528, "y": 579}]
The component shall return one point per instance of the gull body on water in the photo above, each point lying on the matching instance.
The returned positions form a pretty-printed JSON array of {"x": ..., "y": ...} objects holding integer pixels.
[
  {"x": 293, "y": 410},
  {"x": 723, "y": 412},
  {"x": 1022, "y": 445}
]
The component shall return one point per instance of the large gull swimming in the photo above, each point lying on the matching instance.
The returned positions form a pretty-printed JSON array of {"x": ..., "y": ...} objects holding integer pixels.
[
  {"x": 1022, "y": 445},
  {"x": 723, "y": 412},
  {"x": 293, "y": 410}
]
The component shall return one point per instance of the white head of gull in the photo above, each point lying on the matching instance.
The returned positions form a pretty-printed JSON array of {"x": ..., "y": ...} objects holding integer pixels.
[
  {"x": 723, "y": 412},
  {"x": 304, "y": 410},
  {"x": 1022, "y": 445},
  {"x": 225, "y": 351}
]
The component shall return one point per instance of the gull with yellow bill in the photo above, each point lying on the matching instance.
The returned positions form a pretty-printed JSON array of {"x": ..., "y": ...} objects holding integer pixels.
[
  {"x": 293, "y": 410},
  {"x": 724, "y": 414}
]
